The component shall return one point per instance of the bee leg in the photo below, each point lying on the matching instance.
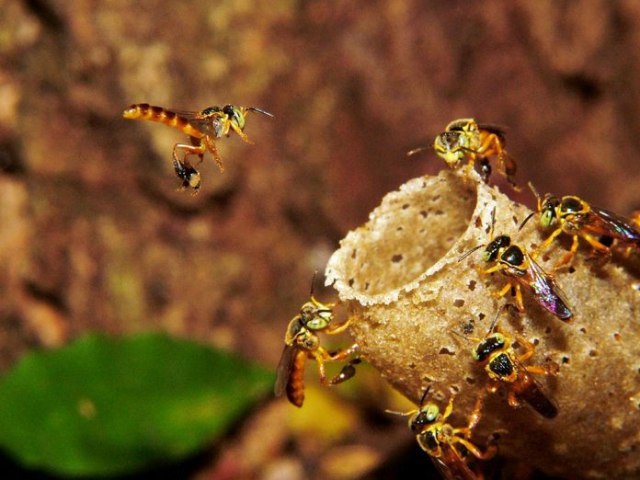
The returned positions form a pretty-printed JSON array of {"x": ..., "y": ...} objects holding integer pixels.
[
  {"x": 476, "y": 414},
  {"x": 566, "y": 260},
  {"x": 493, "y": 387},
  {"x": 512, "y": 399},
  {"x": 449, "y": 408},
  {"x": 342, "y": 354},
  {"x": 489, "y": 453},
  {"x": 190, "y": 176},
  {"x": 241, "y": 134},
  {"x": 210, "y": 144},
  {"x": 335, "y": 329},
  {"x": 493, "y": 269},
  {"x": 491, "y": 145},
  {"x": 197, "y": 142},
  {"x": 184, "y": 170},
  {"x": 552, "y": 368},
  {"x": 346, "y": 373},
  {"x": 528, "y": 347},
  {"x": 506, "y": 289},
  {"x": 188, "y": 150},
  {"x": 485, "y": 168},
  {"x": 507, "y": 166},
  {"x": 470, "y": 164},
  {"x": 597, "y": 244},
  {"x": 548, "y": 241},
  {"x": 603, "y": 250},
  {"x": 321, "y": 356},
  {"x": 519, "y": 300}
]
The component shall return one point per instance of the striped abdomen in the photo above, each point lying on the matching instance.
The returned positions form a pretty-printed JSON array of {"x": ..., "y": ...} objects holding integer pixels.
[
  {"x": 295, "y": 386},
  {"x": 144, "y": 111}
]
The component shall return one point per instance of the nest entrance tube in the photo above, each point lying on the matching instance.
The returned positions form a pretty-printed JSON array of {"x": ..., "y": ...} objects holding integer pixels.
[
  {"x": 409, "y": 234},
  {"x": 408, "y": 292}
]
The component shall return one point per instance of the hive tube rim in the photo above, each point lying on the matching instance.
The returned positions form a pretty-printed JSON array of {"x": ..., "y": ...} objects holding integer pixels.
[{"x": 336, "y": 276}]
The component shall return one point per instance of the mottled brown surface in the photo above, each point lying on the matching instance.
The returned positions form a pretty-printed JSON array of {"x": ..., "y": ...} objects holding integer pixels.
[{"x": 93, "y": 234}]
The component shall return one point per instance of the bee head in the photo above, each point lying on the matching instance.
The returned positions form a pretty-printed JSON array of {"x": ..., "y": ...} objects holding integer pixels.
[
  {"x": 235, "y": 115},
  {"x": 492, "y": 250}
]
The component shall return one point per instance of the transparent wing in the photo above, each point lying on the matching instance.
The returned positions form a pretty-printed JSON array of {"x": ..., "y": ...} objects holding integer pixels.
[
  {"x": 495, "y": 129},
  {"x": 285, "y": 367},
  {"x": 210, "y": 125},
  {"x": 546, "y": 291},
  {"x": 533, "y": 394},
  {"x": 604, "y": 222},
  {"x": 452, "y": 466}
]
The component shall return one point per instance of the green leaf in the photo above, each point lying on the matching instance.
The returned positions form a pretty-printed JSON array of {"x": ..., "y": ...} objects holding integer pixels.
[{"x": 106, "y": 406}]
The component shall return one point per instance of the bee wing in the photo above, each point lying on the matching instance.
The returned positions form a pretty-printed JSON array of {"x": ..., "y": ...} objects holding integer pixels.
[
  {"x": 546, "y": 291},
  {"x": 452, "y": 466},
  {"x": 188, "y": 114},
  {"x": 534, "y": 395},
  {"x": 604, "y": 222},
  {"x": 285, "y": 367},
  {"x": 211, "y": 126},
  {"x": 495, "y": 129}
]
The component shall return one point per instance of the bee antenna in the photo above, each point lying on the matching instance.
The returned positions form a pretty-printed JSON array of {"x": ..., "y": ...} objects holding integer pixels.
[
  {"x": 457, "y": 334},
  {"x": 412, "y": 152},
  {"x": 524, "y": 222},
  {"x": 493, "y": 222},
  {"x": 424, "y": 396},
  {"x": 469, "y": 252},
  {"x": 259, "y": 110},
  {"x": 504, "y": 307},
  {"x": 467, "y": 149},
  {"x": 313, "y": 280},
  {"x": 536, "y": 194},
  {"x": 402, "y": 414},
  {"x": 495, "y": 320}
]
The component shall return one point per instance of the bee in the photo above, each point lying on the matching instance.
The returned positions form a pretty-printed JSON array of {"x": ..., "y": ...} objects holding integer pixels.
[
  {"x": 449, "y": 448},
  {"x": 466, "y": 139},
  {"x": 522, "y": 271},
  {"x": 301, "y": 342},
  {"x": 506, "y": 368},
  {"x": 575, "y": 217},
  {"x": 203, "y": 128}
]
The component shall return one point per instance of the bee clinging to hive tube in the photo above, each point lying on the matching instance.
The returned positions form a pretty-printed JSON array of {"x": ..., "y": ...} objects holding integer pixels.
[
  {"x": 466, "y": 139},
  {"x": 302, "y": 342},
  {"x": 203, "y": 128},
  {"x": 450, "y": 449},
  {"x": 598, "y": 227},
  {"x": 505, "y": 368},
  {"x": 522, "y": 271}
]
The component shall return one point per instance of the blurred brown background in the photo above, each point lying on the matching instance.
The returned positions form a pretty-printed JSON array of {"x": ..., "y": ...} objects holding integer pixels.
[{"x": 94, "y": 234}]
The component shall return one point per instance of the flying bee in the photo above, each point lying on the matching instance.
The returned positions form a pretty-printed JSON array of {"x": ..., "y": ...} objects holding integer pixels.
[
  {"x": 575, "y": 217},
  {"x": 522, "y": 271},
  {"x": 203, "y": 128},
  {"x": 466, "y": 139},
  {"x": 301, "y": 342},
  {"x": 449, "y": 448},
  {"x": 505, "y": 368}
]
